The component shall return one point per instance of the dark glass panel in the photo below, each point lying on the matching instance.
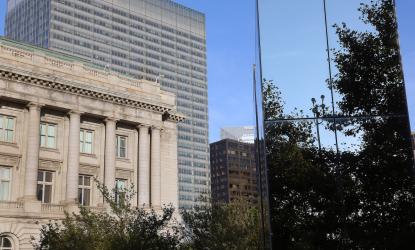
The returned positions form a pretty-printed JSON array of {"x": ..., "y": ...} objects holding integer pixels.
[
  {"x": 39, "y": 192},
  {"x": 340, "y": 169},
  {"x": 48, "y": 176},
  {"x": 6, "y": 242},
  {"x": 48, "y": 194},
  {"x": 87, "y": 180},
  {"x": 40, "y": 175},
  {"x": 80, "y": 198},
  {"x": 87, "y": 197}
]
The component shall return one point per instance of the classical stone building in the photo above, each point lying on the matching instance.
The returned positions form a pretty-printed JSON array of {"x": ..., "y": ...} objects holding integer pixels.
[
  {"x": 155, "y": 40},
  {"x": 63, "y": 122}
]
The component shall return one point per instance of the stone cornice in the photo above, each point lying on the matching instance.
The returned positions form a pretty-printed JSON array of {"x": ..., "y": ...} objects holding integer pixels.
[
  {"x": 88, "y": 92},
  {"x": 173, "y": 117}
]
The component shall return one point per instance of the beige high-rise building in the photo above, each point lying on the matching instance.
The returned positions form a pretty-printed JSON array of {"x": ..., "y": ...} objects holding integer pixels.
[{"x": 63, "y": 122}]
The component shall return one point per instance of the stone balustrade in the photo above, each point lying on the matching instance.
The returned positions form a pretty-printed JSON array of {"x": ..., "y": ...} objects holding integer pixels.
[
  {"x": 52, "y": 208},
  {"x": 11, "y": 205}
]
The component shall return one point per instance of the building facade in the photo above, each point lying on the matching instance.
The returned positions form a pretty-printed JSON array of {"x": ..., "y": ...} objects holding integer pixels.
[
  {"x": 63, "y": 123},
  {"x": 155, "y": 40},
  {"x": 233, "y": 171},
  {"x": 243, "y": 134}
]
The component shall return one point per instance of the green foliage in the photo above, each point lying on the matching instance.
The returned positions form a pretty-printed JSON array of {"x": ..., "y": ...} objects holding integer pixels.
[
  {"x": 123, "y": 228},
  {"x": 303, "y": 202},
  {"x": 381, "y": 206},
  {"x": 222, "y": 226}
]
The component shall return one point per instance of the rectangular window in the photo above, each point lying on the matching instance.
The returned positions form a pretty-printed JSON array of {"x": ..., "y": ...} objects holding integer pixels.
[
  {"x": 121, "y": 146},
  {"x": 44, "y": 186},
  {"x": 86, "y": 140},
  {"x": 120, "y": 185},
  {"x": 6, "y": 128},
  {"x": 84, "y": 190},
  {"x": 5, "y": 179},
  {"x": 48, "y": 135}
]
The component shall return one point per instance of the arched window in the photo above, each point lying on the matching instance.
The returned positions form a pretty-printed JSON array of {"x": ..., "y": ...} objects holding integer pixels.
[{"x": 5, "y": 243}]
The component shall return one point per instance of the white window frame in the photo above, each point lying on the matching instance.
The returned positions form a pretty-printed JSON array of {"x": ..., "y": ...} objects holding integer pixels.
[
  {"x": 125, "y": 138},
  {"x": 2, "y": 237},
  {"x": 4, "y": 130},
  {"x": 82, "y": 187},
  {"x": 45, "y": 183},
  {"x": 47, "y": 136},
  {"x": 82, "y": 141},
  {"x": 9, "y": 180},
  {"x": 120, "y": 190}
]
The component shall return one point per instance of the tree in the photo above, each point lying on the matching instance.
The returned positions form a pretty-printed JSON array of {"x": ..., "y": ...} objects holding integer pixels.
[
  {"x": 123, "y": 228},
  {"x": 222, "y": 226},
  {"x": 303, "y": 200},
  {"x": 370, "y": 84}
]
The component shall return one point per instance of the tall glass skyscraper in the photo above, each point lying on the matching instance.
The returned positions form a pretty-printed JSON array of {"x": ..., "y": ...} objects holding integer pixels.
[{"x": 156, "y": 40}]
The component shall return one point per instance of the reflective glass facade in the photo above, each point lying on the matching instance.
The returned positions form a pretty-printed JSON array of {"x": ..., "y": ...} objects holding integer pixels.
[
  {"x": 156, "y": 40},
  {"x": 337, "y": 135}
]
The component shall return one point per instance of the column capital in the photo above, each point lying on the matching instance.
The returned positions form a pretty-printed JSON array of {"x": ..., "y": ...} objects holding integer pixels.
[
  {"x": 156, "y": 127},
  {"x": 111, "y": 119},
  {"x": 35, "y": 105},
  {"x": 75, "y": 112},
  {"x": 143, "y": 125}
]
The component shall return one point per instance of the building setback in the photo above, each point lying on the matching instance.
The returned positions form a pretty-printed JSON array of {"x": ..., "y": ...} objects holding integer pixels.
[
  {"x": 64, "y": 122},
  {"x": 242, "y": 134},
  {"x": 233, "y": 171},
  {"x": 156, "y": 40}
]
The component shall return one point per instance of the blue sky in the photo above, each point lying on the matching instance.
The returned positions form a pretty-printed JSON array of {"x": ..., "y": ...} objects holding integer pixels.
[{"x": 230, "y": 52}]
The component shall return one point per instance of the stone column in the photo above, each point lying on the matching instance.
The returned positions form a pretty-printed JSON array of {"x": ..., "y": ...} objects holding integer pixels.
[
  {"x": 72, "y": 174},
  {"x": 110, "y": 153},
  {"x": 143, "y": 166},
  {"x": 155, "y": 168},
  {"x": 32, "y": 155}
]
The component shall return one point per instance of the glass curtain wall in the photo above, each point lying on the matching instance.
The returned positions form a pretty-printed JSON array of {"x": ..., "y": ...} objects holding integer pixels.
[{"x": 337, "y": 133}]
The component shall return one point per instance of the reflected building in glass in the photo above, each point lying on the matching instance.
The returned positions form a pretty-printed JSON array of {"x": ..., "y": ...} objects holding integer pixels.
[
  {"x": 156, "y": 40},
  {"x": 336, "y": 129}
]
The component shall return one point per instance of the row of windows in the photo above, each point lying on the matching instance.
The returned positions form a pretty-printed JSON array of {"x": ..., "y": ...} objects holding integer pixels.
[
  {"x": 109, "y": 33},
  {"x": 189, "y": 130},
  {"x": 123, "y": 15},
  {"x": 45, "y": 186},
  {"x": 131, "y": 58},
  {"x": 184, "y": 145},
  {"x": 48, "y": 136}
]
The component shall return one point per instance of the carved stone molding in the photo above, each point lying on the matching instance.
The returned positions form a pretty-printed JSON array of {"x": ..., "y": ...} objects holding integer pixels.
[
  {"x": 50, "y": 164},
  {"x": 17, "y": 52},
  {"x": 58, "y": 63},
  {"x": 124, "y": 173},
  {"x": 173, "y": 117},
  {"x": 63, "y": 87},
  {"x": 88, "y": 169},
  {"x": 11, "y": 160}
]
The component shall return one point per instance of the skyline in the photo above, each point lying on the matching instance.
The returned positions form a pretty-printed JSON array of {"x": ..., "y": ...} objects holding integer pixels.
[{"x": 230, "y": 55}]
